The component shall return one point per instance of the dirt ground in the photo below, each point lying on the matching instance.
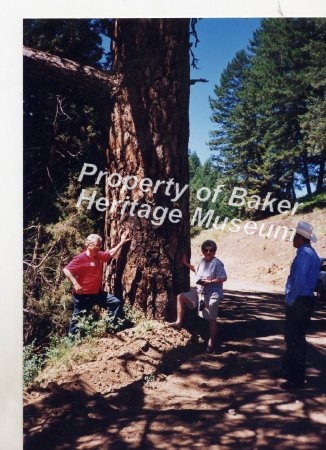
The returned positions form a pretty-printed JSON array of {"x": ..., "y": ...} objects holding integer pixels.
[
  {"x": 153, "y": 387},
  {"x": 158, "y": 389}
]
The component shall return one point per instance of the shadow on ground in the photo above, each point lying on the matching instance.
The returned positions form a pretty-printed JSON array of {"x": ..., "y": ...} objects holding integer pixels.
[{"x": 226, "y": 401}]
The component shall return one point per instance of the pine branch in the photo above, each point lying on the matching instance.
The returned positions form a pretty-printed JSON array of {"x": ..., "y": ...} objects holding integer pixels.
[{"x": 198, "y": 80}]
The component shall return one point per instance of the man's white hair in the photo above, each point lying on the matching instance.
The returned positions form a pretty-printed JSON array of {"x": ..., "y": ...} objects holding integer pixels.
[{"x": 93, "y": 238}]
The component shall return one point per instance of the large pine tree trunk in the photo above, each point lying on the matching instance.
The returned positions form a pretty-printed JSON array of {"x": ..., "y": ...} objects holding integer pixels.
[{"x": 149, "y": 139}]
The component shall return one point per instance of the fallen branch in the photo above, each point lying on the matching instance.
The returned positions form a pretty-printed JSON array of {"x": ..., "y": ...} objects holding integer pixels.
[{"x": 39, "y": 64}]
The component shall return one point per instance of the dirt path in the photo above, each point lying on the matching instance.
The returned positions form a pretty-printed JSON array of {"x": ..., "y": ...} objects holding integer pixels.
[{"x": 226, "y": 401}]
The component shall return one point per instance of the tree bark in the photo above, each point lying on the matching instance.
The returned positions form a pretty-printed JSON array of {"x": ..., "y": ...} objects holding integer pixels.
[
  {"x": 306, "y": 173},
  {"x": 148, "y": 139},
  {"x": 321, "y": 172}
]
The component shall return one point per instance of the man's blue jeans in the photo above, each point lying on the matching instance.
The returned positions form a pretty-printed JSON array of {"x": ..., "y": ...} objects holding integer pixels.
[
  {"x": 83, "y": 303},
  {"x": 297, "y": 321}
]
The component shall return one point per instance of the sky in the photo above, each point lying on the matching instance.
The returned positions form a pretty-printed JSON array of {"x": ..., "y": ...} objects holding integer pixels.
[{"x": 220, "y": 39}]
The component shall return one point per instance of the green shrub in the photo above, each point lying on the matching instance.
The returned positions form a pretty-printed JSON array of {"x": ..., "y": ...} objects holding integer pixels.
[
  {"x": 132, "y": 315},
  {"x": 97, "y": 325},
  {"x": 149, "y": 378},
  {"x": 32, "y": 363},
  {"x": 88, "y": 326}
]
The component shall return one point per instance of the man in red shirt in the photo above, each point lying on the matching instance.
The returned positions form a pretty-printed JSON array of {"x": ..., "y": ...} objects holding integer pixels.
[{"x": 85, "y": 271}]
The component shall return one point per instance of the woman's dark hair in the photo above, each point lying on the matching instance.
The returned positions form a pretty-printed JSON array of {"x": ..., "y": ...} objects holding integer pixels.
[{"x": 208, "y": 243}]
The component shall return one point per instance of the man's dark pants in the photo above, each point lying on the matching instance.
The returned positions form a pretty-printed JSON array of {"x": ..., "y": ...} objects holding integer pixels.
[
  {"x": 297, "y": 321},
  {"x": 83, "y": 303}
]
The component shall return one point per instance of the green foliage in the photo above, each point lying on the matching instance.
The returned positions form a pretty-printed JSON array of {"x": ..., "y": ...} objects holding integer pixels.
[
  {"x": 149, "y": 378},
  {"x": 63, "y": 127},
  {"x": 55, "y": 146},
  {"x": 90, "y": 326},
  {"x": 309, "y": 203},
  {"x": 132, "y": 315},
  {"x": 68, "y": 38},
  {"x": 206, "y": 177},
  {"x": 65, "y": 352},
  {"x": 45, "y": 317},
  {"x": 58, "y": 348},
  {"x": 147, "y": 325},
  {"x": 32, "y": 364},
  {"x": 48, "y": 248},
  {"x": 62, "y": 350},
  {"x": 269, "y": 110},
  {"x": 224, "y": 106},
  {"x": 194, "y": 164}
]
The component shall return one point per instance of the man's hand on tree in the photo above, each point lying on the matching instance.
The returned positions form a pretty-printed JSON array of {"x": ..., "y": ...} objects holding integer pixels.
[{"x": 125, "y": 237}]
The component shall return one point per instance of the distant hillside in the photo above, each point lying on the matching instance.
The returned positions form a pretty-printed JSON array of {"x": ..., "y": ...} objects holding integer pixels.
[{"x": 260, "y": 263}]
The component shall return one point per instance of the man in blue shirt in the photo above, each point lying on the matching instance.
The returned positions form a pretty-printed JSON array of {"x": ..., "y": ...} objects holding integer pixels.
[{"x": 299, "y": 305}]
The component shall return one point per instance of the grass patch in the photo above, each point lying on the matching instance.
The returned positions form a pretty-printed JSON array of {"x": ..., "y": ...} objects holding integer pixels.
[
  {"x": 146, "y": 325},
  {"x": 63, "y": 352},
  {"x": 308, "y": 204}
]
